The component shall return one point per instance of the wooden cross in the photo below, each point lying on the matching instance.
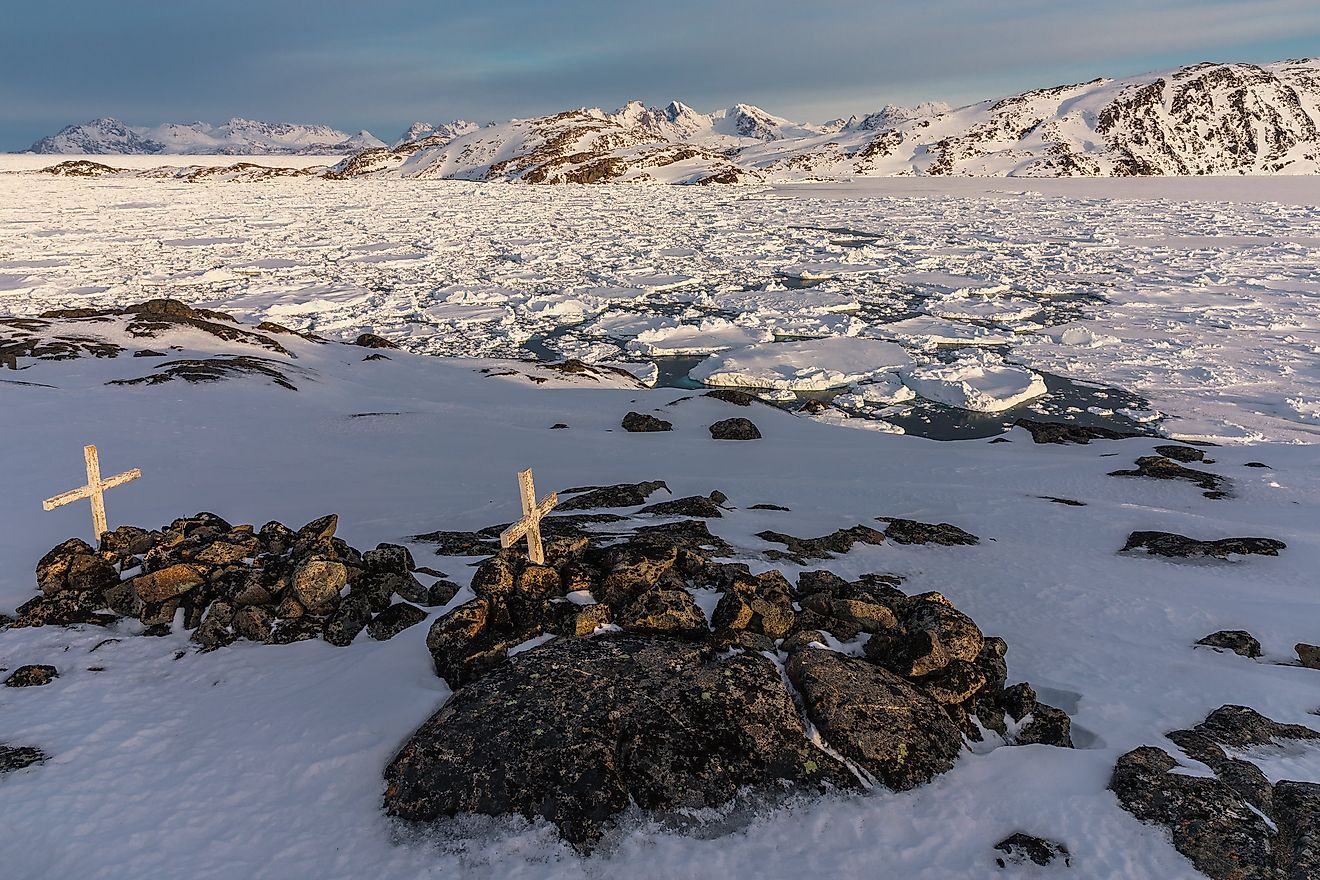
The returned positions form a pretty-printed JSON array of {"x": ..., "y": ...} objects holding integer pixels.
[
  {"x": 530, "y": 524},
  {"x": 95, "y": 490}
]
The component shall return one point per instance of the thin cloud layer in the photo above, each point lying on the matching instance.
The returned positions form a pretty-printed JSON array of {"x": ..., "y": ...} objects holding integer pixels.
[{"x": 382, "y": 65}]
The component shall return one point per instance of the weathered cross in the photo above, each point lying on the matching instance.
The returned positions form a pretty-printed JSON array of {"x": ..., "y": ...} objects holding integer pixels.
[
  {"x": 530, "y": 524},
  {"x": 95, "y": 490}
]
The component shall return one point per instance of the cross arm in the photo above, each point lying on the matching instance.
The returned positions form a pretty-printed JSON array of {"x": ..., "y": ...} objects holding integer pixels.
[{"x": 67, "y": 498}]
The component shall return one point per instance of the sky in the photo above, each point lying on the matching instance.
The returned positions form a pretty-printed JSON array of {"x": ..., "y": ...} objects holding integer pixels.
[{"x": 381, "y": 65}]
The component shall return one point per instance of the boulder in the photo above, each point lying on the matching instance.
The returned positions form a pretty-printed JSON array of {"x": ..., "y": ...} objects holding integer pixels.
[
  {"x": 167, "y": 583},
  {"x": 1235, "y": 640},
  {"x": 1018, "y": 849},
  {"x": 1184, "y": 454},
  {"x": 1160, "y": 468},
  {"x": 32, "y": 675},
  {"x": 349, "y": 619},
  {"x": 1307, "y": 655},
  {"x": 17, "y": 757},
  {"x": 576, "y": 730},
  {"x": 645, "y": 423},
  {"x": 394, "y": 620},
  {"x": 825, "y": 547},
  {"x": 1297, "y": 812},
  {"x": 1176, "y": 546},
  {"x": 317, "y": 582},
  {"x": 869, "y": 715},
  {"x": 1209, "y": 822},
  {"x": 619, "y": 495},
  {"x": 74, "y": 566},
  {"x": 664, "y": 612},
  {"x": 909, "y": 531},
  {"x": 735, "y": 429},
  {"x": 705, "y": 507},
  {"x": 1060, "y": 432}
]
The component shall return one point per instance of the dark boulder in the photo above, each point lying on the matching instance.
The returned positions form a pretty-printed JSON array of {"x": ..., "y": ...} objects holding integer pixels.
[
  {"x": 825, "y": 547},
  {"x": 908, "y": 531},
  {"x": 1176, "y": 546},
  {"x": 1235, "y": 640},
  {"x": 1020, "y": 848},
  {"x": 1297, "y": 812},
  {"x": 733, "y": 396},
  {"x": 620, "y": 495},
  {"x": 703, "y": 507},
  {"x": 639, "y": 423},
  {"x": 1185, "y": 454},
  {"x": 371, "y": 340},
  {"x": 32, "y": 675},
  {"x": 1307, "y": 655},
  {"x": 18, "y": 757},
  {"x": 664, "y": 612},
  {"x": 735, "y": 429},
  {"x": 575, "y": 730},
  {"x": 1209, "y": 822},
  {"x": 1060, "y": 432},
  {"x": 74, "y": 566},
  {"x": 394, "y": 620},
  {"x": 890, "y": 728},
  {"x": 1158, "y": 467},
  {"x": 349, "y": 619}
]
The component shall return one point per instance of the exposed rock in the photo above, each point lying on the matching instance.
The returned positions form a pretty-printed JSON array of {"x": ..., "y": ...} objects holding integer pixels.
[
  {"x": 393, "y": 558},
  {"x": 440, "y": 593},
  {"x": 1047, "y": 726},
  {"x": 1160, "y": 468},
  {"x": 575, "y": 730},
  {"x": 908, "y": 531},
  {"x": 1020, "y": 848},
  {"x": 620, "y": 495},
  {"x": 735, "y": 429},
  {"x": 394, "y": 620},
  {"x": 1185, "y": 454},
  {"x": 371, "y": 340},
  {"x": 349, "y": 618},
  {"x": 1061, "y": 432},
  {"x": 75, "y": 566},
  {"x": 733, "y": 396},
  {"x": 1297, "y": 812},
  {"x": 908, "y": 654},
  {"x": 1210, "y": 823},
  {"x": 664, "y": 612},
  {"x": 17, "y": 757},
  {"x": 692, "y": 505},
  {"x": 167, "y": 583},
  {"x": 317, "y": 583},
  {"x": 1243, "y": 727},
  {"x": 873, "y": 717},
  {"x": 1308, "y": 655},
  {"x": 1182, "y": 547},
  {"x": 801, "y": 549},
  {"x": 1235, "y": 640},
  {"x": 639, "y": 423},
  {"x": 32, "y": 675}
]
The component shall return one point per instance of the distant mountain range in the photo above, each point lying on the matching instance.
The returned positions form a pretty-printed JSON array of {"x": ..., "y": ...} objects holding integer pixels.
[
  {"x": 1201, "y": 119},
  {"x": 239, "y": 137}
]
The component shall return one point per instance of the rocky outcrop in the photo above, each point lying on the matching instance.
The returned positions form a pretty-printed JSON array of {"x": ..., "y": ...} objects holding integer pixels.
[
  {"x": 1173, "y": 546},
  {"x": 596, "y": 681},
  {"x": 32, "y": 675},
  {"x": 1233, "y": 825},
  {"x": 1157, "y": 467},
  {"x": 227, "y": 582},
  {"x": 645, "y": 423},
  {"x": 1238, "y": 641},
  {"x": 735, "y": 429}
]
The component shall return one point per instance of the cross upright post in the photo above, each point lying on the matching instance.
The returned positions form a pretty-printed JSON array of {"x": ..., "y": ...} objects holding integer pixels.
[
  {"x": 530, "y": 524},
  {"x": 94, "y": 490}
]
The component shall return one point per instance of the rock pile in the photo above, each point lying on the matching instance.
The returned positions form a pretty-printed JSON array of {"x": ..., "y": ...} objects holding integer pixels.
[
  {"x": 225, "y": 582},
  {"x": 1233, "y": 825},
  {"x": 597, "y": 680}
]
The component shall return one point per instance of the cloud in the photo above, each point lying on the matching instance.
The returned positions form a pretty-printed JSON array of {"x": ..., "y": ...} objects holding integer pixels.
[{"x": 384, "y": 64}]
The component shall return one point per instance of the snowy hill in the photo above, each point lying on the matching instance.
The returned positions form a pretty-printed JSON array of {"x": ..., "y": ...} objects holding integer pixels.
[{"x": 108, "y": 136}]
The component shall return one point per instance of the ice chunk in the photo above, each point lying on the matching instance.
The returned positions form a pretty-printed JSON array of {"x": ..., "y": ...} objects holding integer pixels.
[
  {"x": 982, "y": 308},
  {"x": 811, "y": 365},
  {"x": 980, "y": 384},
  {"x": 716, "y": 334},
  {"x": 937, "y": 331}
]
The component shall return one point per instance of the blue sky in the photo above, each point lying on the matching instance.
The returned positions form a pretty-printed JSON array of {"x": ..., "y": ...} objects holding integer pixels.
[{"x": 380, "y": 65}]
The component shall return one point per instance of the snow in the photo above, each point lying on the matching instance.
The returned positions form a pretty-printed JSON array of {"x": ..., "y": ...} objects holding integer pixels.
[
  {"x": 813, "y": 365},
  {"x": 716, "y": 334}
]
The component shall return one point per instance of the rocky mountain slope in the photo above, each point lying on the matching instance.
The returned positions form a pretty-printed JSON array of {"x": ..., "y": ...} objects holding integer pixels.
[
  {"x": 1201, "y": 119},
  {"x": 108, "y": 136}
]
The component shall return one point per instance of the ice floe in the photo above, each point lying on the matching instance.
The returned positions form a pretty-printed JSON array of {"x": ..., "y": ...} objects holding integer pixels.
[{"x": 809, "y": 365}]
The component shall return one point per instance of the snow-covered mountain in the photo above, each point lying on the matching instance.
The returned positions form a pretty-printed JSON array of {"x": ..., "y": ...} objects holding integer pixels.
[
  {"x": 420, "y": 131},
  {"x": 1201, "y": 119},
  {"x": 235, "y": 137}
]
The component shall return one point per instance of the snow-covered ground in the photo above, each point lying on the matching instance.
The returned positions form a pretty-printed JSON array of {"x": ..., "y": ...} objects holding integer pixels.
[{"x": 265, "y": 761}]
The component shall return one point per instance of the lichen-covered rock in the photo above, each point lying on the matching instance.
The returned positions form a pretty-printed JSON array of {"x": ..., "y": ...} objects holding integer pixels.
[
  {"x": 575, "y": 730},
  {"x": 74, "y": 566},
  {"x": 645, "y": 423},
  {"x": 32, "y": 675},
  {"x": 349, "y": 619},
  {"x": 664, "y": 612},
  {"x": 17, "y": 757},
  {"x": 889, "y": 727},
  {"x": 1235, "y": 640},
  {"x": 909, "y": 531},
  {"x": 1209, "y": 822},
  {"x": 1181, "y": 547},
  {"x": 735, "y": 429},
  {"x": 317, "y": 583},
  {"x": 1020, "y": 848}
]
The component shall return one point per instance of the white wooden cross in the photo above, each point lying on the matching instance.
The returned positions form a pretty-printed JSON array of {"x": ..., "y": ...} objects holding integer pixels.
[
  {"x": 95, "y": 490},
  {"x": 530, "y": 524}
]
